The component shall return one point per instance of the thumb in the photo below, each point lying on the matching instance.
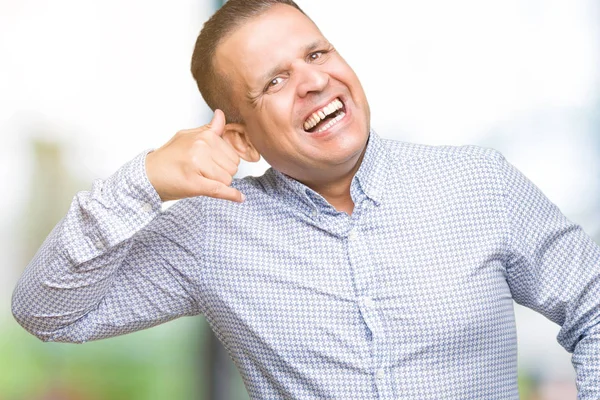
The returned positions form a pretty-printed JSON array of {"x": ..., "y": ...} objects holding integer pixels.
[{"x": 217, "y": 124}]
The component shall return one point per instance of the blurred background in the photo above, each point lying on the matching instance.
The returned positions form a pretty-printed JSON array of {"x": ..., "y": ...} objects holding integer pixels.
[{"x": 87, "y": 85}]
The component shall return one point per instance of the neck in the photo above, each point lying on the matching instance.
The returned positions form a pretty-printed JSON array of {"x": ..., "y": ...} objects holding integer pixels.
[
  {"x": 338, "y": 195},
  {"x": 336, "y": 190}
]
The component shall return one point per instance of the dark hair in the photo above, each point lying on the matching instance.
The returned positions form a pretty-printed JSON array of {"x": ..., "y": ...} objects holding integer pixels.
[{"x": 212, "y": 85}]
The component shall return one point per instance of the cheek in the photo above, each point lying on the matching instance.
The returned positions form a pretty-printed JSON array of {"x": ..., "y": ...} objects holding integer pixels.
[
  {"x": 276, "y": 112},
  {"x": 341, "y": 71},
  {"x": 340, "y": 67}
]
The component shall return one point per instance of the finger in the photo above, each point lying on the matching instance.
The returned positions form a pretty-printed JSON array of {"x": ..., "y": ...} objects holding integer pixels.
[
  {"x": 228, "y": 150},
  {"x": 218, "y": 190},
  {"x": 215, "y": 172},
  {"x": 224, "y": 162},
  {"x": 217, "y": 124},
  {"x": 221, "y": 146}
]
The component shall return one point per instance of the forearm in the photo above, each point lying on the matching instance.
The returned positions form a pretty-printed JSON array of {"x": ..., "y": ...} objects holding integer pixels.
[
  {"x": 75, "y": 266},
  {"x": 586, "y": 360}
]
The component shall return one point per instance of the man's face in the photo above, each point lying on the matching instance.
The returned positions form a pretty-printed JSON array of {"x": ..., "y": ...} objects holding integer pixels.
[{"x": 286, "y": 78}]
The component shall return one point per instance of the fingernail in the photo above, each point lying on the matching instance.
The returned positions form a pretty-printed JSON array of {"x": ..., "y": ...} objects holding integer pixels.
[{"x": 243, "y": 197}]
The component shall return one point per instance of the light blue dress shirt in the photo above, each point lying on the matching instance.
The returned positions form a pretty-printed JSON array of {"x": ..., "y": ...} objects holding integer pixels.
[{"x": 410, "y": 297}]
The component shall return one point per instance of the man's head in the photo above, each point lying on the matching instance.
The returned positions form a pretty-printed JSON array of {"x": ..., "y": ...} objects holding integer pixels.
[
  {"x": 213, "y": 85},
  {"x": 286, "y": 93}
]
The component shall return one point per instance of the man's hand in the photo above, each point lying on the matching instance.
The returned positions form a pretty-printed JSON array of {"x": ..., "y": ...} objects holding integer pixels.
[{"x": 195, "y": 162}]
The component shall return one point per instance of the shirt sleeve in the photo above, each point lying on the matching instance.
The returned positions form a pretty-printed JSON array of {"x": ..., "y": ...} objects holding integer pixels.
[
  {"x": 105, "y": 268},
  {"x": 554, "y": 268}
]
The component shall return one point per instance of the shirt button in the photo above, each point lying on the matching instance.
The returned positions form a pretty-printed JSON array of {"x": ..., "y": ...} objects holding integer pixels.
[
  {"x": 380, "y": 373},
  {"x": 367, "y": 301},
  {"x": 147, "y": 207},
  {"x": 99, "y": 245},
  {"x": 315, "y": 213},
  {"x": 352, "y": 234}
]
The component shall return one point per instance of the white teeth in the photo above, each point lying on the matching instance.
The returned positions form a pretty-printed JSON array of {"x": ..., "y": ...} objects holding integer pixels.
[
  {"x": 332, "y": 122},
  {"x": 320, "y": 115}
]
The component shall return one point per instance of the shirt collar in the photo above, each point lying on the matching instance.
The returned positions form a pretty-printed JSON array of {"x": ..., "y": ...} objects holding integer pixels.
[
  {"x": 371, "y": 177},
  {"x": 372, "y": 173}
]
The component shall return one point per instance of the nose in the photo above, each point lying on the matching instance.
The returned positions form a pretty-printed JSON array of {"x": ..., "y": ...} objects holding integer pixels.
[{"x": 311, "y": 79}]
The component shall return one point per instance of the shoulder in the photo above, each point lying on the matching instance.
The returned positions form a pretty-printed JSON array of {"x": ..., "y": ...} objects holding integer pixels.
[
  {"x": 418, "y": 153},
  {"x": 445, "y": 161},
  {"x": 445, "y": 166}
]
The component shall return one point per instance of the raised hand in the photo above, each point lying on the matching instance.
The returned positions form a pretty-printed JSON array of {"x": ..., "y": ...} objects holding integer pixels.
[{"x": 195, "y": 162}]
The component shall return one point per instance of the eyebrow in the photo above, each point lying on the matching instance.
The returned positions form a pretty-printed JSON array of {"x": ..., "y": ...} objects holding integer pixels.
[{"x": 319, "y": 43}]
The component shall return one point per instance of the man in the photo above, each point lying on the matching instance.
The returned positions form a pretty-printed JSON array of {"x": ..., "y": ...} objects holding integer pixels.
[{"x": 355, "y": 268}]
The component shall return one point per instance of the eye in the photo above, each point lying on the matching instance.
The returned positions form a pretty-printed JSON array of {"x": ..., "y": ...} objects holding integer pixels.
[
  {"x": 315, "y": 56},
  {"x": 274, "y": 82}
]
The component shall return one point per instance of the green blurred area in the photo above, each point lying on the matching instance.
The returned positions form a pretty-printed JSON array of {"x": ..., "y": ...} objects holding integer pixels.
[
  {"x": 158, "y": 363},
  {"x": 170, "y": 361}
]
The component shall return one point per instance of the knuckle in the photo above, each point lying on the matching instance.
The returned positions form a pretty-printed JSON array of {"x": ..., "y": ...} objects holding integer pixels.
[
  {"x": 199, "y": 152},
  {"x": 214, "y": 190},
  {"x": 214, "y": 170},
  {"x": 232, "y": 170},
  {"x": 207, "y": 132},
  {"x": 200, "y": 143},
  {"x": 195, "y": 161}
]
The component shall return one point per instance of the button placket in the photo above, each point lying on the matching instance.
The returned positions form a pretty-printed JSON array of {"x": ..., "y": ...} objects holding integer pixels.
[{"x": 367, "y": 301}]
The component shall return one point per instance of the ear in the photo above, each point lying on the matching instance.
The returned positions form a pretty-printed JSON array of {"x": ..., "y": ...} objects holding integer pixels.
[{"x": 235, "y": 134}]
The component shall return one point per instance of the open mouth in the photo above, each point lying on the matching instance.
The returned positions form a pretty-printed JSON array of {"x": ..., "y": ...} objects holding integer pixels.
[{"x": 325, "y": 117}]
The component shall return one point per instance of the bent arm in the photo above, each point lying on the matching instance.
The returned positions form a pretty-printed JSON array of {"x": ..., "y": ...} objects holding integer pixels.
[
  {"x": 554, "y": 268},
  {"x": 98, "y": 274}
]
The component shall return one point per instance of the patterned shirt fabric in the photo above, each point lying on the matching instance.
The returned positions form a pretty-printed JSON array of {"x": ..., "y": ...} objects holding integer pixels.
[{"x": 410, "y": 297}]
